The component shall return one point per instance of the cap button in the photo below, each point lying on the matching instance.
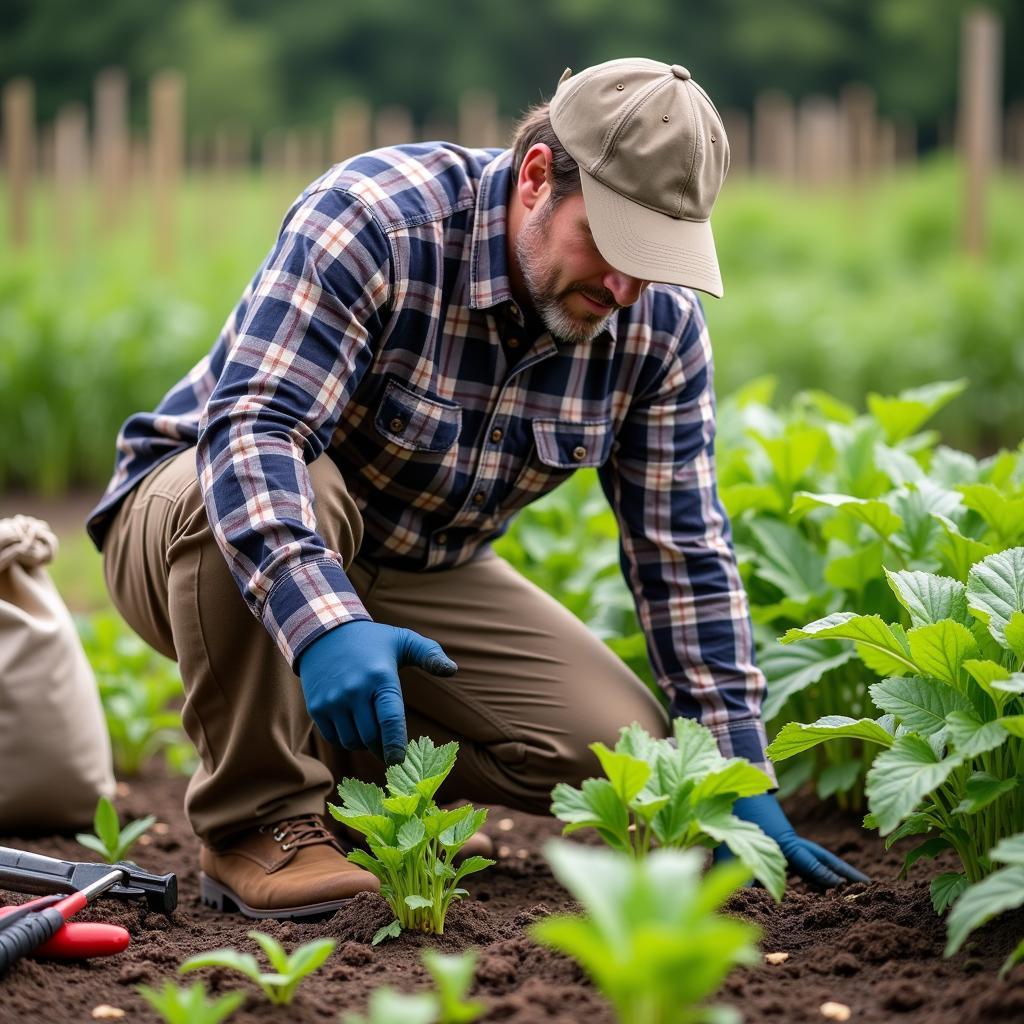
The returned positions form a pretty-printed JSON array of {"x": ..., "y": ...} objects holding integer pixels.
[{"x": 680, "y": 72}]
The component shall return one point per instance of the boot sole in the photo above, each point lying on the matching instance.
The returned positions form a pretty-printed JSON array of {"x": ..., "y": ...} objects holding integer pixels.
[{"x": 219, "y": 897}]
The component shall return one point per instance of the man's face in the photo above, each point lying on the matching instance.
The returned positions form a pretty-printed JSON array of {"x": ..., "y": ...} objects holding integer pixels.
[{"x": 572, "y": 287}]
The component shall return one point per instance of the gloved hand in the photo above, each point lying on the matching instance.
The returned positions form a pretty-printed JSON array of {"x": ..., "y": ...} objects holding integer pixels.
[
  {"x": 350, "y": 683},
  {"x": 810, "y": 861}
]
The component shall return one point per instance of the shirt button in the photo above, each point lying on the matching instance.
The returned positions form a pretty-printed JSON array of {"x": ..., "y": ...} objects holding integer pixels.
[
  {"x": 513, "y": 343},
  {"x": 441, "y": 538},
  {"x": 497, "y": 435},
  {"x": 579, "y": 452},
  {"x": 398, "y": 424},
  {"x": 479, "y": 498}
]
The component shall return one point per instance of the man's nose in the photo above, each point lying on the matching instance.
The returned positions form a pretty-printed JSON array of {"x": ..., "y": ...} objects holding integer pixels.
[{"x": 626, "y": 289}]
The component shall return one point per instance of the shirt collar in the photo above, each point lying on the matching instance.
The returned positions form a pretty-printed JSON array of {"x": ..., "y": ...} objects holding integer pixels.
[{"x": 489, "y": 283}]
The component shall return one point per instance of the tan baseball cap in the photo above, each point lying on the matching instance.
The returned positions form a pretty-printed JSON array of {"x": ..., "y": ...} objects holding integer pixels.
[{"x": 653, "y": 154}]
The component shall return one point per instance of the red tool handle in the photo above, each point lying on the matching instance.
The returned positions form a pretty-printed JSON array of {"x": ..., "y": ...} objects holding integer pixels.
[{"x": 77, "y": 940}]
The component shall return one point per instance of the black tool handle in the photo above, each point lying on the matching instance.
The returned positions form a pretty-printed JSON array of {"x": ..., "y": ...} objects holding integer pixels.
[{"x": 25, "y": 935}]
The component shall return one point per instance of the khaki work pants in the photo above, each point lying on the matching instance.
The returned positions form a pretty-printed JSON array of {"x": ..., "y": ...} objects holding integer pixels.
[{"x": 534, "y": 686}]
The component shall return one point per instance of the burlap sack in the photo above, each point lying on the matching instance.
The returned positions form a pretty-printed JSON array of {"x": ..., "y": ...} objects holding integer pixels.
[{"x": 54, "y": 747}]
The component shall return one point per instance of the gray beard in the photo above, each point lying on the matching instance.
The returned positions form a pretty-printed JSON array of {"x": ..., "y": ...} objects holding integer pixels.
[{"x": 540, "y": 275}]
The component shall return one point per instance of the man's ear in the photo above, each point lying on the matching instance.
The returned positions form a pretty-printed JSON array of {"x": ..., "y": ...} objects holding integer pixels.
[{"x": 534, "y": 182}]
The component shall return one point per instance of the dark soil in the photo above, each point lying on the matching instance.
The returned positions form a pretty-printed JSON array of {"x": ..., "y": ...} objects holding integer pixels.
[{"x": 875, "y": 948}]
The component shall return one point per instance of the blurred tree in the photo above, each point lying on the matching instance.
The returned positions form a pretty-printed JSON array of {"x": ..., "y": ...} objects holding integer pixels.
[{"x": 272, "y": 63}]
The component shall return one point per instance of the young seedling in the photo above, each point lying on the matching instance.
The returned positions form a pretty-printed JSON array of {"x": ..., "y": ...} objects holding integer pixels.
[
  {"x": 677, "y": 792},
  {"x": 453, "y": 976},
  {"x": 651, "y": 940},
  {"x": 112, "y": 842},
  {"x": 190, "y": 1005},
  {"x": 952, "y": 728},
  {"x": 412, "y": 841},
  {"x": 279, "y": 985}
]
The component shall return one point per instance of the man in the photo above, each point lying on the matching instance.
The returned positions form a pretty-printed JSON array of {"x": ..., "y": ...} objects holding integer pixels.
[{"x": 439, "y": 337}]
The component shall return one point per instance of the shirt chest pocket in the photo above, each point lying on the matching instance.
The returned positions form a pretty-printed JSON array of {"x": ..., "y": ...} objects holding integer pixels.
[
  {"x": 572, "y": 444},
  {"x": 417, "y": 422}
]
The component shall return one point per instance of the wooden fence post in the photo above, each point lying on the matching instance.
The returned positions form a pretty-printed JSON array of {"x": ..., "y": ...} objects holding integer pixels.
[
  {"x": 859, "y": 132},
  {"x": 393, "y": 126},
  {"x": 737, "y": 130},
  {"x": 19, "y": 155},
  {"x": 70, "y": 157},
  {"x": 817, "y": 141},
  {"x": 350, "y": 134},
  {"x": 978, "y": 127},
  {"x": 111, "y": 158},
  {"x": 774, "y": 135},
  {"x": 478, "y": 119},
  {"x": 167, "y": 143}
]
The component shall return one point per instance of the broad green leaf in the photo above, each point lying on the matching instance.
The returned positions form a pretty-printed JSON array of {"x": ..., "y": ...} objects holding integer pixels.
[
  {"x": 596, "y": 805},
  {"x": 759, "y": 853},
  {"x": 424, "y": 769},
  {"x": 309, "y": 957},
  {"x": 598, "y": 878},
  {"x": 1001, "y": 891},
  {"x": 673, "y": 823},
  {"x": 987, "y": 674},
  {"x": 737, "y": 776},
  {"x": 946, "y": 890},
  {"x": 411, "y": 834},
  {"x": 971, "y": 736},
  {"x": 1003, "y": 514},
  {"x": 826, "y": 404},
  {"x": 957, "y": 552},
  {"x": 627, "y": 774},
  {"x": 389, "y": 931},
  {"x": 453, "y": 976},
  {"x": 981, "y": 790},
  {"x": 274, "y": 950},
  {"x": 929, "y": 598},
  {"x": 902, "y": 776},
  {"x": 919, "y": 704},
  {"x": 795, "y": 738},
  {"x": 1009, "y": 850},
  {"x": 92, "y": 843},
  {"x": 229, "y": 958},
  {"x": 1013, "y": 724},
  {"x": 697, "y": 752},
  {"x": 362, "y": 798},
  {"x": 856, "y": 570},
  {"x": 940, "y": 649},
  {"x": 787, "y": 560},
  {"x": 415, "y": 902},
  {"x": 364, "y": 860},
  {"x": 1014, "y": 633},
  {"x": 789, "y": 670},
  {"x": 918, "y": 505},
  {"x": 926, "y": 851},
  {"x": 744, "y": 497},
  {"x": 793, "y": 454},
  {"x": 1013, "y": 684},
  {"x": 900, "y": 467},
  {"x": 638, "y": 742},
  {"x": 456, "y": 835},
  {"x": 403, "y": 806},
  {"x": 471, "y": 865},
  {"x": 135, "y": 829},
  {"x": 106, "y": 824},
  {"x": 910, "y": 409},
  {"x": 872, "y": 513},
  {"x": 995, "y": 590},
  {"x": 868, "y": 631},
  {"x": 915, "y": 825}
]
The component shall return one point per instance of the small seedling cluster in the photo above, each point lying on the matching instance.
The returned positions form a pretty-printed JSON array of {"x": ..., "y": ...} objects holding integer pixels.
[{"x": 110, "y": 841}]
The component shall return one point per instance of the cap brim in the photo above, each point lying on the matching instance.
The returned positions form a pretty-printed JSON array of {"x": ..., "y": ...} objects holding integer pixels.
[{"x": 652, "y": 246}]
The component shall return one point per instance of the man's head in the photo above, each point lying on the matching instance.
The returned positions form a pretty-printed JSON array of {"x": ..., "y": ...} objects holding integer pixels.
[{"x": 613, "y": 184}]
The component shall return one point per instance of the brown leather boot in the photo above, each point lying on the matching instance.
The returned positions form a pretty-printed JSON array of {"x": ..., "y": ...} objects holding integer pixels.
[{"x": 293, "y": 868}]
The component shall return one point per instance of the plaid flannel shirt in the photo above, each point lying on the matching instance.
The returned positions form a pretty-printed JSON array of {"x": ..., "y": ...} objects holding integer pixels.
[{"x": 381, "y": 328}]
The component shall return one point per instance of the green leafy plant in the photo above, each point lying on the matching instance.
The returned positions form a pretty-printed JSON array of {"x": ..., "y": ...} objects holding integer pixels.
[
  {"x": 678, "y": 792},
  {"x": 952, "y": 728},
  {"x": 453, "y": 976},
  {"x": 112, "y": 842},
  {"x": 412, "y": 841},
  {"x": 280, "y": 984},
  {"x": 823, "y": 500},
  {"x": 651, "y": 940},
  {"x": 1002, "y": 890},
  {"x": 190, "y": 1005}
]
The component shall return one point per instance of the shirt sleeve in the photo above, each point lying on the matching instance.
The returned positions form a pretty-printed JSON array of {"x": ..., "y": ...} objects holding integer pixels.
[
  {"x": 676, "y": 547},
  {"x": 302, "y": 344}
]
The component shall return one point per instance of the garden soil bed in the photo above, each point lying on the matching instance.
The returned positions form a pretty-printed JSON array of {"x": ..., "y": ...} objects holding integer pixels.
[{"x": 875, "y": 948}]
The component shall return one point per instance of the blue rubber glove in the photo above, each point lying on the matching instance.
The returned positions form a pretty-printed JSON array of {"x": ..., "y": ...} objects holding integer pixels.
[
  {"x": 810, "y": 861},
  {"x": 350, "y": 682}
]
